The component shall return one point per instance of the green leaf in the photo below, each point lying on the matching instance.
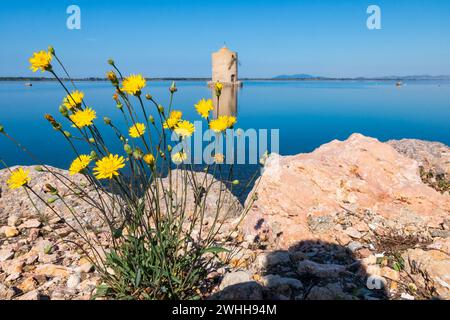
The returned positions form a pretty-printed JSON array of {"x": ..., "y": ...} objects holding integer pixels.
[
  {"x": 137, "y": 280},
  {"x": 102, "y": 290}
]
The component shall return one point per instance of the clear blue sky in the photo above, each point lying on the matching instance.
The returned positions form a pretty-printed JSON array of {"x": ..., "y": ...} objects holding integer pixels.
[{"x": 175, "y": 37}]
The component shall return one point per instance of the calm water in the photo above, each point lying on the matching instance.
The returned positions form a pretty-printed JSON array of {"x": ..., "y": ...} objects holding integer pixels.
[{"x": 308, "y": 114}]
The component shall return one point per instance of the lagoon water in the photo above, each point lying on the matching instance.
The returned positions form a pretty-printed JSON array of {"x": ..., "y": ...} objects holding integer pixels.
[{"x": 307, "y": 113}]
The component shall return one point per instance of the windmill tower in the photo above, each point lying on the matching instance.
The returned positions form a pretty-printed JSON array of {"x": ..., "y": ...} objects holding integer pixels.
[{"x": 225, "y": 67}]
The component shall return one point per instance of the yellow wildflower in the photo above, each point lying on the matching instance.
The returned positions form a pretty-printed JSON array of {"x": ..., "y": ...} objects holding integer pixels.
[
  {"x": 174, "y": 118},
  {"x": 79, "y": 164},
  {"x": 133, "y": 84},
  {"x": 137, "y": 130},
  {"x": 18, "y": 178},
  {"x": 179, "y": 157},
  {"x": 108, "y": 166},
  {"x": 231, "y": 121},
  {"x": 41, "y": 60},
  {"x": 73, "y": 100},
  {"x": 222, "y": 123},
  {"x": 83, "y": 118},
  {"x": 203, "y": 107},
  {"x": 184, "y": 128},
  {"x": 218, "y": 86},
  {"x": 149, "y": 159}
]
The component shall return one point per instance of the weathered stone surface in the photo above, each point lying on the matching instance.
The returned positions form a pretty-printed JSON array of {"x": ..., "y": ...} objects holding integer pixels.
[
  {"x": 433, "y": 157},
  {"x": 230, "y": 205},
  {"x": 235, "y": 278},
  {"x": 308, "y": 267},
  {"x": 431, "y": 265},
  {"x": 242, "y": 291},
  {"x": 358, "y": 175}
]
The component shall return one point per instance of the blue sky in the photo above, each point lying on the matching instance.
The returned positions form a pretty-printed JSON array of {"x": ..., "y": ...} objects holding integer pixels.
[{"x": 175, "y": 38}]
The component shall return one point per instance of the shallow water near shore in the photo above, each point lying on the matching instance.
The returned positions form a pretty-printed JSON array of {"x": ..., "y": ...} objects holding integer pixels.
[{"x": 307, "y": 113}]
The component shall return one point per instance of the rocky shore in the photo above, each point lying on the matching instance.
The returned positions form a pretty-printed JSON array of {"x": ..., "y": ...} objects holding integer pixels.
[{"x": 354, "y": 219}]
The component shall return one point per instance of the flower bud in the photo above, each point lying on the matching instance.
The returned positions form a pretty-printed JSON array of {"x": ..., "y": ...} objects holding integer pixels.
[
  {"x": 2, "y": 129},
  {"x": 38, "y": 169},
  {"x": 161, "y": 109},
  {"x": 63, "y": 110},
  {"x": 53, "y": 122},
  {"x": 122, "y": 138},
  {"x": 91, "y": 140},
  {"x": 128, "y": 149},
  {"x": 235, "y": 182},
  {"x": 94, "y": 155},
  {"x": 48, "y": 188},
  {"x": 138, "y": 154},
  {"x": 111, "y": 62},
  {"x": 218, "y": 87},
  {"x": 169, "y": 148},
  {"x": 119, "y": 106},
  {"x": 149, "y": 159},
  {"x": 107, "y": 120},
  {"x": 51, "y": 200},
  {"x": 173, "y": 88},
  {"x": 151, "y": 119},
  {"x": 112, "y": 77},
  {"x": 148, "y": 96},
  {"x": 67, "y": 134},
  {"x": 51, "y": 50}
]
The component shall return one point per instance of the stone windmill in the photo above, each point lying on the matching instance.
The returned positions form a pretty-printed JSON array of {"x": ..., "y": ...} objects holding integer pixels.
[{"x": 225, "y": 67}]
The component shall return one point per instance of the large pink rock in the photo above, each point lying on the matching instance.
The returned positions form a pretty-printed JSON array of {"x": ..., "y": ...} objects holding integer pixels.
[{"x": 301, "y": 196}]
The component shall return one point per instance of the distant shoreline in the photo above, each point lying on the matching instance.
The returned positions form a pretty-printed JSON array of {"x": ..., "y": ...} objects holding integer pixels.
[{"x": 92, "y": 79}]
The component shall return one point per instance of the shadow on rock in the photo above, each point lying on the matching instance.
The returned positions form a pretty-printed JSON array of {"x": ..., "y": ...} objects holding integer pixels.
[{"x": 312, "y": 270}]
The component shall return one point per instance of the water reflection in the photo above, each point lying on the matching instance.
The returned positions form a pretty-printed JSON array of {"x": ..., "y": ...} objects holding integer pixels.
[{"x": 228, "y": 101}]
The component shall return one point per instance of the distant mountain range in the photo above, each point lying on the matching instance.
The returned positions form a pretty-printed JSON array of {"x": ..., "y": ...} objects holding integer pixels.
[
  {"x": 303, "y": 76},
  {"x": 299, "y": 77},
  {"x": 296, "y": 76}
]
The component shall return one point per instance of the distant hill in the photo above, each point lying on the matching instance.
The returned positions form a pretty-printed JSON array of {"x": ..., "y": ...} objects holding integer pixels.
[
  {"x": 296, "y": 76},
  {"x": 412, "y": 77}
]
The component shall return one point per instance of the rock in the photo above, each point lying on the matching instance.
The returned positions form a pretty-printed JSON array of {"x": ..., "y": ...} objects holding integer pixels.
[
  {"x": 9, "y": 293},
  {"x": 406, "y": 296},
  {"x": 13, "y": 220},
  {"x": 11, "y": 232},
  {"x": 29, "y": 224},
  {"x": 230, "y": 205},
  {"x": 241, "y": 291},
  {"x": 269, "y": 260},
  {"x": 390, "y": 273},
  {"x": 436, "y": 233},
  {"x": 353, "y": 233},
  {"x": 308, "y": 267},
  {"x": 354, "y": 245},
  {"x": 433, "y": 158},
  {"x": 233, "y": 278},
  {"x": 28, "y": 284},
  {"x": 6, "y": 254},
  {"x": 275, "y": 281},
  {"x": 332, "y": 291},
  {"x": 360, "y": 175},
  {"x": 432, "y": 264},
  {"x": 84, "y": 266},
  {"x": 73, "y": 281},
  {"x": 51, "y": 270},
  {"x": 32, "y": 295},
  {"x": 12, "y": 266}
]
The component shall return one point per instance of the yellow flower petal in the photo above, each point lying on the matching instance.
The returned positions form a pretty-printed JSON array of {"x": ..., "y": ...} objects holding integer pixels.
[
  {"x": 18, "y": 178},
  {"x": 109, "y": 166}
]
